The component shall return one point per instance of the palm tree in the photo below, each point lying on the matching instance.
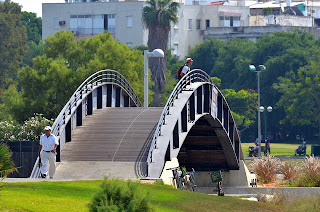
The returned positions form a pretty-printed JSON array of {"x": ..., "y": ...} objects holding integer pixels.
[
  {"x": 157, "y": 17},
  {"x": 6, "y": 163}
]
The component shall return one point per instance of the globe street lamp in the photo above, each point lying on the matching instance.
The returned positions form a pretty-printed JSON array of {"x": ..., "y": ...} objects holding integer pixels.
[
  {"x": 154, "y": 53},
  {"x": 261, "y": 68}
]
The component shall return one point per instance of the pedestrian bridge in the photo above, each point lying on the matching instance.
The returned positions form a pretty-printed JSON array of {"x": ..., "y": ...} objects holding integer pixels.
[{"x": 103, "y": 130}]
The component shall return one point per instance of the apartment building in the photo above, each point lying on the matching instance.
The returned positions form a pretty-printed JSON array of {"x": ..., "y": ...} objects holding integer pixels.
[
  {"x": 86, "y": 18},
  {"x": 122, "y": 19},
  {"x": 194, "y": 20}
]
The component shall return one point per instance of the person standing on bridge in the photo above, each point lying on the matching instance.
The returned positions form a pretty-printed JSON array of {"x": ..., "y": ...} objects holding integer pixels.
[
  {"x": 47, "y": 152},
  {"x": 186, "y": 67}
]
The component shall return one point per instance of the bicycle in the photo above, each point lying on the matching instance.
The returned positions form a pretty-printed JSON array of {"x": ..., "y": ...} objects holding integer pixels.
[
  {"x": 190, "y": 180},
  {"x": 183, "y": 180},
  {"x": 177, "y": 179}
]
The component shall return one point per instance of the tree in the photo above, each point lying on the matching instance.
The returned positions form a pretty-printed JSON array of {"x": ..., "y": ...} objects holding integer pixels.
[
  {"x": 12, "y": 42},
  {"x": 6, "y": 163},
  {"x": 33, "y": 25},
  {"x": 231, "y": 64},
  {"x": 283, "y": 53},
  {"x": 243, "y": 106},
  {"x": 157, "y": 17},
  {"x": 35, "y": 48},
  {"x": 48, "y": 84},
  {"x": 205, "y": 54},
  {"x": 301, "y": 95}
]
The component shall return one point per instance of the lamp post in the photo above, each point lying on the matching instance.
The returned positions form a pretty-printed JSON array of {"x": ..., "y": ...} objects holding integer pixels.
[
  {"x": 261, "y": 68},
  {"x": 269, "y": 109},
  {"x": 154, "y": 53}
]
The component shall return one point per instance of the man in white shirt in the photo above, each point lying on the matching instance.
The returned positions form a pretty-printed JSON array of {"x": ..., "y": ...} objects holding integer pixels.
[
  {"x": 47, "y": 152},
  {"x": 186, "y": 67}
]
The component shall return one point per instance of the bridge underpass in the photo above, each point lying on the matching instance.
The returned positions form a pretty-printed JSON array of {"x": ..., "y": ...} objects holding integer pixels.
[
  {"x": 202, "y": 149},
  {"x": 104, "y": 131}
]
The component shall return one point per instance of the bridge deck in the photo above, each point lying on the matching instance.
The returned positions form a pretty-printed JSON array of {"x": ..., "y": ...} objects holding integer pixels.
[{"x": 113, "y": 134}]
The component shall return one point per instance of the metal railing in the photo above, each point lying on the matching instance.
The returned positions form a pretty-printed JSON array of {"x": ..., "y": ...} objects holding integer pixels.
[
  {"x": 196, "y": 75},
  {"x": 97, "y": 79}
]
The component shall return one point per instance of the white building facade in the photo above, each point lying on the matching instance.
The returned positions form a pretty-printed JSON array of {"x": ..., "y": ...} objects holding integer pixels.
[{"x": 123, "y": 19}]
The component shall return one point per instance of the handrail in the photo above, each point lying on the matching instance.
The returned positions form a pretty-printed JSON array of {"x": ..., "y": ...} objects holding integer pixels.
[
  {"x": 196, "y": 75},
  {"x": 101, "y": 77}
]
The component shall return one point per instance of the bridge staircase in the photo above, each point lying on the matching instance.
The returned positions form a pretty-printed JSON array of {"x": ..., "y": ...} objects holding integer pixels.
[{"x": 113, "y": 142}]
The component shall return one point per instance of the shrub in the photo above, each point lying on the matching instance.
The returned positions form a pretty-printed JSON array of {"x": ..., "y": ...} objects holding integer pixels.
[
  {"x": 276, "y": 198},
  {"x": 304, "y": 204},
  {"x": 310, "y": 176},
  {"x": 118, "y": 196},
  {"x": 305, "y": 180},
  {"x": 265, "y": 168},
  {"x": 288, "y": 170}
]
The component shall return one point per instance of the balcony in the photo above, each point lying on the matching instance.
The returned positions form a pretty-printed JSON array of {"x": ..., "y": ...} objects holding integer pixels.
[{"x": 89, "y": 32}]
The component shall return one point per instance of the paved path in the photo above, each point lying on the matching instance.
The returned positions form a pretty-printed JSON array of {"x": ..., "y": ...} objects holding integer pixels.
[
  {"x": 289, "y": 192},
  {"x": 96, "y": 170},
  {"x": 281, "y": 158}
]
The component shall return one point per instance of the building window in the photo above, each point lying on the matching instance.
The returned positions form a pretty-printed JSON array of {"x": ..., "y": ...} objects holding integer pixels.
[
  {"x": 198, "y": 24},
  {"x": 98, "y": 23},
  {"x": 56, "y": 23},
  {"x": 129, "y": 21},
  {"x": 227, "y": 21},
  {"x": 190, "y": 24},
  {"x": 92, "y": 24},
  {"x": 112, "y": 23},
  {"x": 207, "y": 24},
  {"x": 175, "y": 49},
  {"x": 236, "y": 21}
]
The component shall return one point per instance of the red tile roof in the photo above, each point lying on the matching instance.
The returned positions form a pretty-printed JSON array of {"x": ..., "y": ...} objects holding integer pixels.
[{"x": 216, "y": 3}]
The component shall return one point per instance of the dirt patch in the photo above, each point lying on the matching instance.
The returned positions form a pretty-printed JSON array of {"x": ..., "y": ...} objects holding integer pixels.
[{"x": 276, "y": 183}]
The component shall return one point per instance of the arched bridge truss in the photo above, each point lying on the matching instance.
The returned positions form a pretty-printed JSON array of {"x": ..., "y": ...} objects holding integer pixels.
[{"x": 197, "y": 128}]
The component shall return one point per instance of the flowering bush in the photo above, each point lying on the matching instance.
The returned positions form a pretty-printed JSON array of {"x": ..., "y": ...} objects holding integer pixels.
[
  {"x": 29, "y": 131},
  {"x": 8, "y": 131},
  {"x": 266, "y": 168},
  {"x": 33, "y": 128},
  {"x": 288, "y": 170},
  {"x": 312, "y": 166}
]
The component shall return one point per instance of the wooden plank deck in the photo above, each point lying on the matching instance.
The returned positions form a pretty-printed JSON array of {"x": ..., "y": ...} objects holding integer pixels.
[{"x": 113, "y": 134}]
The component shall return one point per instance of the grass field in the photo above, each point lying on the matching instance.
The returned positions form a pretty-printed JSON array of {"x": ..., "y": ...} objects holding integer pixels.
[
  {"x": 75, "y": 195},
  {"x": 277, "y": 149}
]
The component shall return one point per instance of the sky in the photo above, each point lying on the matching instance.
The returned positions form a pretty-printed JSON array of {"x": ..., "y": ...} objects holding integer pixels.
[{"x": 35, "y": 6}]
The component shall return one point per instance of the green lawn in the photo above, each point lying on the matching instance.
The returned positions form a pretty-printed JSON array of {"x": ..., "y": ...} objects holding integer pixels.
[
  {"x": 75, "y": 195},
  {"x": 277, "y": 149}
]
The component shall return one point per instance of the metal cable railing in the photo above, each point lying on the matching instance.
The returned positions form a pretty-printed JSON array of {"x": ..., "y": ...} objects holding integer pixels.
[
  {"x": 96, "y": 79},
  {"x": 196, "y": 75}
]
